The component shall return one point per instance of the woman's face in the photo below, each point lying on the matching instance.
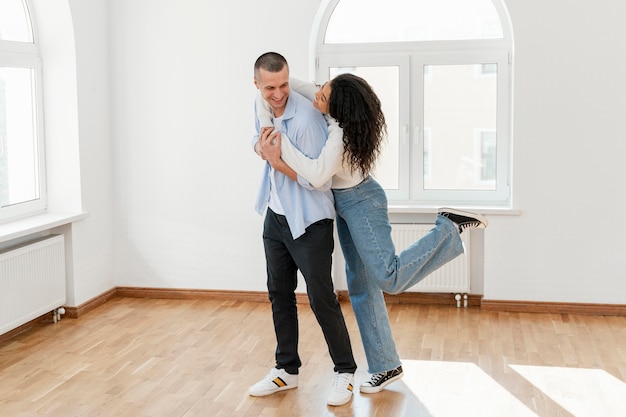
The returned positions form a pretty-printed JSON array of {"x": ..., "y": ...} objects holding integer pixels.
[{"x": 321, "y": 98}]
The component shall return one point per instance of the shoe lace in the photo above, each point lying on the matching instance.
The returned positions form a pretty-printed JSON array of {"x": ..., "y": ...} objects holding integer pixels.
[
  {"x": 341, "y": 381},
  {"x": 468, "y": 225},
  {"x": 271, "y": 375},
  {"x": 376, "y": 378}
]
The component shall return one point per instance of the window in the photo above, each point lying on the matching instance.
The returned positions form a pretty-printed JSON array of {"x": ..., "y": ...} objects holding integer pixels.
[
  {"x": 22, "y": 180},
  {"x": 443, "y": 73}
]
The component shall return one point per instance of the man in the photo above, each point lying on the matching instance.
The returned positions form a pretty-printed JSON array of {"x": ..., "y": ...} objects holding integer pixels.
[{"x": 298, "y": 235}]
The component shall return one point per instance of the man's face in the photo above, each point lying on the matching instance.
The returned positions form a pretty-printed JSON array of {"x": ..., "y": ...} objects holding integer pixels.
[{"x": 274, "y": 87}]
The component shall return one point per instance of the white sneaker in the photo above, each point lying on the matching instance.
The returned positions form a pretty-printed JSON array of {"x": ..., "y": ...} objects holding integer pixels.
[
  {"x": 276, "y": 380},
  {"x": 341, "y": 391}
]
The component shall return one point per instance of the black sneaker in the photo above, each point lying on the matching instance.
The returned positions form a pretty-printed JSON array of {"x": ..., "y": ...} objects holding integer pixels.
[
  {"x": 464, "y": 219},
  {"x": 381, "y": 380}
]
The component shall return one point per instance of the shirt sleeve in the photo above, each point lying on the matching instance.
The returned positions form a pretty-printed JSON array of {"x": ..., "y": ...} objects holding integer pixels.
[
  {"x": 307, "y": 89},
  {"x": 321, "y": 170},
  {"x": 255, "y": 137},
  {"x": 263, "y": 111},
  {"x": 306, "y": 184}
]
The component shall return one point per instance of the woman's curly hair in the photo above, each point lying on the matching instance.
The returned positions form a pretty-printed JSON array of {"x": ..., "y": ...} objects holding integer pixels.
[{"x": 357, "y": 109}]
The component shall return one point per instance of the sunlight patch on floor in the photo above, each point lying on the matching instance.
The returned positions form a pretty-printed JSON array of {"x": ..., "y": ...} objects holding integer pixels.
[
  {"x": 582, "y": 392},
  {"x": 460, "y": 388}
]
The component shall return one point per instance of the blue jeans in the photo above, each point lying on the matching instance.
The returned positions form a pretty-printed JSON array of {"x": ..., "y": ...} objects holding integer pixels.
[{"x": 372, "y": 265}]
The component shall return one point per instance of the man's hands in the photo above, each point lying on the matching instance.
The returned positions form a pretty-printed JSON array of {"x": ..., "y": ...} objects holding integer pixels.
[{"x": 268, "y": 146}]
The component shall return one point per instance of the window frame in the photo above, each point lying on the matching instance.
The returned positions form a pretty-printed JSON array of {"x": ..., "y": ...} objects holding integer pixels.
[
  {"x": 410, "y": 57},
  {"x": 402, "y": 62},
  {"x": 16, "y": 54}
]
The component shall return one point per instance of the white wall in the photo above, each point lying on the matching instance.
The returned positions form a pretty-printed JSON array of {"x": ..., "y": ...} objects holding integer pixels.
[
  {"x": 73, "y": 38},
  {"x": 93, "y": 238},
  {"x": 185, "y": 173},
  {"x": 184, "y": 176},
  {"x": 569, "y": 242}
]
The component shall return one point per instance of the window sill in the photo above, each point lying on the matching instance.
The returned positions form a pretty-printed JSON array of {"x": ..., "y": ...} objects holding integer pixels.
[
  {"x": 38, "y": 223},
  {"x": 407, "y": 209}
]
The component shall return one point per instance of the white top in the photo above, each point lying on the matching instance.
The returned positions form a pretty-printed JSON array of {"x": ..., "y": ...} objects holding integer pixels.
[
  {"x": 275, "y": 204},
  {"x": 330, "y": 161}
]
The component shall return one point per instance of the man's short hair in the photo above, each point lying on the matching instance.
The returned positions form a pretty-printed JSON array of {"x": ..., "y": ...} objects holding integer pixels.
[{"x": 270, "y": 61}]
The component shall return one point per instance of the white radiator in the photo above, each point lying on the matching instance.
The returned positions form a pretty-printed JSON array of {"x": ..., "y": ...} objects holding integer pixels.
[
  {"x": 32, "y": 281},
  {"x": 453, "y": 277}
]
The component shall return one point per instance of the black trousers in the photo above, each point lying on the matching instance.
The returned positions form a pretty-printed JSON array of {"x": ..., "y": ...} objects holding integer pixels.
[{"x": 311, "y": 253}]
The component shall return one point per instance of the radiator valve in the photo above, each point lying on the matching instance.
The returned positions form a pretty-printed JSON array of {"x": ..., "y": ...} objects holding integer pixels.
[{"x": 56, "y": 314}]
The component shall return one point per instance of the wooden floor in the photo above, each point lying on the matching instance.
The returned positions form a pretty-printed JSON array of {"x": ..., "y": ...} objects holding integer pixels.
[{"x": 145, "y": 357}]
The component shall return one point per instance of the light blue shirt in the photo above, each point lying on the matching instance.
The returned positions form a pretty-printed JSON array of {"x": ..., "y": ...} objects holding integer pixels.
[{"x": 306, "y": 128}]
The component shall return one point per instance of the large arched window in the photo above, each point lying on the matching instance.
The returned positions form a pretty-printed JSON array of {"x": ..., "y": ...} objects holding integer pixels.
[
  {"x": 443, "y": 73},
  {"x": 22, "y": 181}
]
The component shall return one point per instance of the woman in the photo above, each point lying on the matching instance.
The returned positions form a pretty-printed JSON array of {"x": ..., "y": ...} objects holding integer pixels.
[{"x": 372, "y": 266}]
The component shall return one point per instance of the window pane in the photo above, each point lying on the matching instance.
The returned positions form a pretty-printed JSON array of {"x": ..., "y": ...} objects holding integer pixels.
[
  {"x": 14, "y": 21},
  {"x": 459, "y": 107},
  {"x": 360, "y": 21},
  {"x": 385, "y": 81},
  {"x": 18, "y": 144},
  {"x": 488, "y": 155}
]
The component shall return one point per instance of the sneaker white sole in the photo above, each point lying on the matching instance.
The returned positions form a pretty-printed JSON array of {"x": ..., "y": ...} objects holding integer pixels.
[
  {"x": 476, "y": 216},
  {"x": 339, "y": 402},
  {"x": 379, "y": 388},
  {"x": 271, "y": 391}
]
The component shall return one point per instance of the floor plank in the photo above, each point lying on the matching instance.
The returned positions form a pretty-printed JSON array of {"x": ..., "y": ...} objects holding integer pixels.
[{"x": 186, "y": 358}]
